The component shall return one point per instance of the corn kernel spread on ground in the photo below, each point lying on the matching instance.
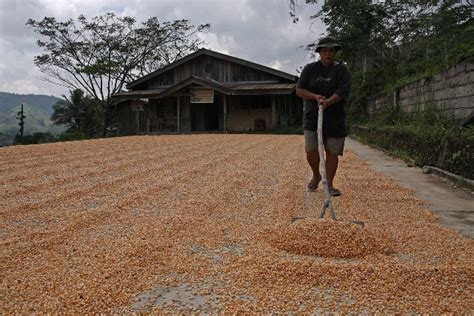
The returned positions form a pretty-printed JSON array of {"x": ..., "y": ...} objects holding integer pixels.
[{"x": 201, "y": 223}]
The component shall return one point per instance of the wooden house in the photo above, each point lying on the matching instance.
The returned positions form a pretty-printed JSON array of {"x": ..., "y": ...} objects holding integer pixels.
[{"x": 209, "y": 91}]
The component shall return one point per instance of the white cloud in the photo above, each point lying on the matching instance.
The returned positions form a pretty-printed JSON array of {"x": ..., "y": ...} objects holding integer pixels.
[
  {"x": 257, "y": 30},
  {"x": 217, "y": 43}
]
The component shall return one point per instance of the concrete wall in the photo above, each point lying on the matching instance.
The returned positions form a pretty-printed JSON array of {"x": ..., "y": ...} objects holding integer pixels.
[
  {"x": 241, "y": 119},
  {"x": 451, "y": 92}
]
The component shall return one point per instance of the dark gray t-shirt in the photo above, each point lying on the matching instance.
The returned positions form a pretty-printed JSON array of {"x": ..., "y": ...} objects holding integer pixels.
[{"x": 326, "y": 81}]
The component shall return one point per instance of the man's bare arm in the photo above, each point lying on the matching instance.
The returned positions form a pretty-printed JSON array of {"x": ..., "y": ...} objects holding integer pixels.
[
  {"x": 332, "y": 100},
  {"x": 308, "y": 95}
]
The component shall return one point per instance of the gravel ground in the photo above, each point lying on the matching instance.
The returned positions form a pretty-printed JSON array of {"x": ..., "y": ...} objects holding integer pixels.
[{"x": 203, "y": 223}]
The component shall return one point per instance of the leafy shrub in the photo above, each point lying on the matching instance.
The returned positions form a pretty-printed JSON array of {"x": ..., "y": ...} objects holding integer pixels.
[
  {"x": 35, "y": 138},
  {"x": 437, "y": 145},
  {"x": 72, "y": 134}
]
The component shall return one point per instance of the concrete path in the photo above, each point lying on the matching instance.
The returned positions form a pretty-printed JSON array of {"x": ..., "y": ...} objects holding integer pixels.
[{"x": 454, "y": 207}]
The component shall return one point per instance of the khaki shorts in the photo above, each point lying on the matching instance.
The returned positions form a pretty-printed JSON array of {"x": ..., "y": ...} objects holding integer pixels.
[{"x": 334, "y": 145}]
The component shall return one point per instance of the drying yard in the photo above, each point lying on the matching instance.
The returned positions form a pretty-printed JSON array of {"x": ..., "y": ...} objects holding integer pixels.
[{"x": 202, "y": 223}]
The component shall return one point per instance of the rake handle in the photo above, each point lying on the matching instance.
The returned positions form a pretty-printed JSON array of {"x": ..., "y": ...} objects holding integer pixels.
[{"x": 322, "y": 168}]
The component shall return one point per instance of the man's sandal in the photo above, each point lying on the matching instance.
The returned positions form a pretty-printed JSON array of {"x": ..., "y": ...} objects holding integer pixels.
[
  {"x": 334, "y": 192},
  {"x": 313, "y": 184}
]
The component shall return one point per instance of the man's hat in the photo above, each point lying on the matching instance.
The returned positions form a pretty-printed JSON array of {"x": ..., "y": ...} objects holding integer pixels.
[{"x": 327, "y": 42}]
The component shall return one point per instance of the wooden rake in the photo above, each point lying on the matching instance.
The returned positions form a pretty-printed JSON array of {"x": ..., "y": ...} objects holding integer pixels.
[{"x": 327, "y": 204}]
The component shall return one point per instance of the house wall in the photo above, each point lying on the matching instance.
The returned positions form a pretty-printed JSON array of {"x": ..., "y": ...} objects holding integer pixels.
[
  {"x": 241, "y": 114},
  {"x": 126, "y": 119},
  {"x": 166, "y": 117},
  {"x": 185, "y": 114},
  {"x": 158, "y": 116}
]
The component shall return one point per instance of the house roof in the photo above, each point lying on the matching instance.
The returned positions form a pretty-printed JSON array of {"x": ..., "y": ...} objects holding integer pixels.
[
  {"x": 209, "y": 83},
  {"x": 137, "y": 94},
  {"x": 265, "y": 88},
  {"x": 227, "y": 89},
  {"x": 204, "y": 51}
]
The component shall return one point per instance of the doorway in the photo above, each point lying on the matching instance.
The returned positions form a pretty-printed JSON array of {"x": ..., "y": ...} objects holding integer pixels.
[{"x": 204, "y": 117}]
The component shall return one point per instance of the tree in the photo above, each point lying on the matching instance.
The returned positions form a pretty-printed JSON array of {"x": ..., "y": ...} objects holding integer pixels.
[
  {"x": 80, "y": 113},
  {"x": 104, "y": 53},
  {"x": 387, "y": 43},
  {"x": 357, "y": 25},
  {"x": 36, "y": 138},
  {"x": 21, "y": 117},
  {"x": 453, "y": 27},
  {"x": 360, "y": 27}
]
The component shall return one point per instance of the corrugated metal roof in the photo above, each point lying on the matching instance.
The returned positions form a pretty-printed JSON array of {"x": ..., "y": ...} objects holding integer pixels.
[
  {"x": 227, "y": 88},
  {"x": 139, "y": 93},
  {"x": 266, "y": 86}
]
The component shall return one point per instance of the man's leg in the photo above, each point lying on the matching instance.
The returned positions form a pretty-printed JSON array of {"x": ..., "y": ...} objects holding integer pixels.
[
  {"x": 312, "y": 156},
  {"x": 313, "y": 160},
  {"x": 332, "y": 162},
  {"x": 334, "y": 148}
]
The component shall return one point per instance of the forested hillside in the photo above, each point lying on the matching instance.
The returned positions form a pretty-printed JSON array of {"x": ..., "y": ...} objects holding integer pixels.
[{"x": 38, "y": 110}]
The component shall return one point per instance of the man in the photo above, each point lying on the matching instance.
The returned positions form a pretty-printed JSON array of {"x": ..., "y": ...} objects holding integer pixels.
[{"x": 328, "y": 83}]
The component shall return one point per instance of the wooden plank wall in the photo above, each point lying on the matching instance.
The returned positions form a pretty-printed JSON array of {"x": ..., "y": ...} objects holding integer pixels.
[
  {"x": 214, "y": 68},
  {"x": 240, "y": 117},
  {"x": 124, "y": 119}
]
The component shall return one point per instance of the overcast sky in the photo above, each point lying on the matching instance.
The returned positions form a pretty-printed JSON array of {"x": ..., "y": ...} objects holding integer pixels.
[{"x": 261, "y": 31}]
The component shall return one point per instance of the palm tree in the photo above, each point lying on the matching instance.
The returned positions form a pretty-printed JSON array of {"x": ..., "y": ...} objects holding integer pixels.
[{"x": 79, "y": 112}]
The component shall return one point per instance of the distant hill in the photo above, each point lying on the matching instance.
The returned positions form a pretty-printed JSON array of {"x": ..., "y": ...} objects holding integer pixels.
[{"x": 38, "y": 110}]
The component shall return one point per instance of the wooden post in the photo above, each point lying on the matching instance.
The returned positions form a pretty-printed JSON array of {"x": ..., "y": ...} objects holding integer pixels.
[
  {"x": 273, "y": 112},
  {"x": 289, "y": 100},
  {"x": 178, "y": 110},
  {"x": 138, "y": 122},
  {"x": 225, "y": 113},
  {"x": 396, "y": 98}
]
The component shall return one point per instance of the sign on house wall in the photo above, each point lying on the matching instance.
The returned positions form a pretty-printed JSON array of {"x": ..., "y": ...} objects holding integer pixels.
[
  {"x": 201, "y": 95},
  {"x": 138, "y": 105}
]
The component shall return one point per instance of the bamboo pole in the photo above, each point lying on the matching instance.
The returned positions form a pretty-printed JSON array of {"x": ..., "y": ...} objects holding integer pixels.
[{"x": 322, "y": 168}]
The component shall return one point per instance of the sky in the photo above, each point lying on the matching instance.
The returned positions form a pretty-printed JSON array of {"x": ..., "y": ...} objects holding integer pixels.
[{"x": 260, "y": 31}]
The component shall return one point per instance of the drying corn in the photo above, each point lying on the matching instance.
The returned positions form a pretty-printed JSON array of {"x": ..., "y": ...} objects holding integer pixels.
[{"x": 203, "y": 223}]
